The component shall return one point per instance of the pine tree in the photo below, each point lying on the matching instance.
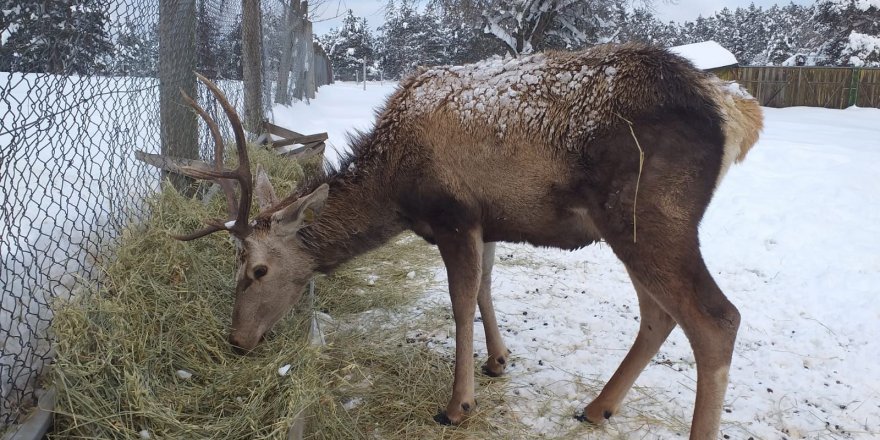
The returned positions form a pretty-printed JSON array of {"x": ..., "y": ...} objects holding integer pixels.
[
  {"x": 207, "y": 41},
  {"x": 753, "y": 34},
  {"x": 852, "y": 32},
  {"x": 137, "y": 50},
  {"x": 642, "y": 25},
  {"x": 779, "y": 50},
  {"x": 461, "y": 29},
  {"x": 229, "y": 53},
  {"x": 349, "y": 47},
  {"x": 409, "y": 39},
  {"x": 58, "y": 36}
]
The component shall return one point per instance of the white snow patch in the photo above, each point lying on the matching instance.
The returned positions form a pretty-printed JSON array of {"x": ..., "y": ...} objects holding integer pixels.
[
  {"x": 352, "y": 403},
  {"x": 284, "y": 370}
]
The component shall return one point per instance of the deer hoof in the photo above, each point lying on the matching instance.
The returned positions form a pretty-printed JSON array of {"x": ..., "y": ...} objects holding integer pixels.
[
  {"x": 442, "y": 419},
  {"x": 594, "y": 416},
  {"x": 456, "y": 415},
  {"x": 494, "y": 367}
]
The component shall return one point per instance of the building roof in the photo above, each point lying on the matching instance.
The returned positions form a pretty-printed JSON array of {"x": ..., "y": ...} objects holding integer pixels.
[{"x": 706, "y": 55}]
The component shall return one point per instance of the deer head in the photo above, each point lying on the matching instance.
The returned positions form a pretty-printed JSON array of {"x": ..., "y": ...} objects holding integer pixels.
[{"x": 274, "y": 266}]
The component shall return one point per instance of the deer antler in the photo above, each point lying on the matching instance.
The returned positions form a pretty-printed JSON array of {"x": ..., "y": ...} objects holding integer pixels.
[{"x": 222, "y": 176}]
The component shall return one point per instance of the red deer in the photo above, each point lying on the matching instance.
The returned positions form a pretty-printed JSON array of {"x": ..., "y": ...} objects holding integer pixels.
[{"x": 618, "y": 143}]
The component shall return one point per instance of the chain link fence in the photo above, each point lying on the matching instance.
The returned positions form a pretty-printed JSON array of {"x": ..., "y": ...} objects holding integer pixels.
[{"x": 83, "y": 84}]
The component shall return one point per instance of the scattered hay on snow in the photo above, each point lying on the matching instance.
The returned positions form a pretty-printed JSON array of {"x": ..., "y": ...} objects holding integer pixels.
[{"x": 145, "y": 353}]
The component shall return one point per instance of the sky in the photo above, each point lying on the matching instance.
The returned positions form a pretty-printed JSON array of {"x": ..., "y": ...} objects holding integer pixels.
[{"x": 667, "y": 10}]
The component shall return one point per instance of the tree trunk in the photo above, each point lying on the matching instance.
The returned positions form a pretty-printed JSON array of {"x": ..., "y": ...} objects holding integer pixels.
[
  {"x": 251, "y": 59},
  {"x": 177, "y": 62}
]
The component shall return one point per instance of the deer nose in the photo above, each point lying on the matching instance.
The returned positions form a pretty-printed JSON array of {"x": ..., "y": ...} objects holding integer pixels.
[{"x": 236, "y": 347}]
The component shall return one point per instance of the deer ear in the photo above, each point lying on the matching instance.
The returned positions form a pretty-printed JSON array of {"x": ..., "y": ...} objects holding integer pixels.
[
  {"x": 303, "y": 211},
  {"x": 263, "y": 190}
]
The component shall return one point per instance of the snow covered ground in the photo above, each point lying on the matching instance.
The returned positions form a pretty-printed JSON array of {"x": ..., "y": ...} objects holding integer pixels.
[{"x": 792, "y": 237}]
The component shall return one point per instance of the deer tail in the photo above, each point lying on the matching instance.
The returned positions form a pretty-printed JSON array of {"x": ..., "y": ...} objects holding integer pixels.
[{"x": 743, "y": 121}]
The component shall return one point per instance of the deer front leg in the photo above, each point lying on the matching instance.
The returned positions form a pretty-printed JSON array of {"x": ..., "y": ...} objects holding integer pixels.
[
  {"x": 498, "y": 352},
  {"x": 461, "y": 251},
  {"x": 654, "y": 328}
]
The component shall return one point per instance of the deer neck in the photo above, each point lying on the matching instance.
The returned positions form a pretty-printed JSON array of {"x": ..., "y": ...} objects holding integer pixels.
[{"x": 358, "y": 216}]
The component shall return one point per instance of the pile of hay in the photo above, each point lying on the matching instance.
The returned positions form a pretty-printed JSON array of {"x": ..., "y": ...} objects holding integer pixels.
[{"x": 144, "y": 354}]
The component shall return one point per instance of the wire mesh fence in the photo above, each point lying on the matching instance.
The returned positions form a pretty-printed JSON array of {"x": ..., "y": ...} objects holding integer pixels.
[{"x": 83, "y": 84}]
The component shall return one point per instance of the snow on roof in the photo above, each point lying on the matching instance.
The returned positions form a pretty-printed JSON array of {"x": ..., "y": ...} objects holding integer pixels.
[{"x": 706, "y": 55}]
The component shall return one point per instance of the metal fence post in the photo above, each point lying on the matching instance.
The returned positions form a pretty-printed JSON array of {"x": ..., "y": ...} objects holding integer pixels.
[{"x": 854, "y": 86}]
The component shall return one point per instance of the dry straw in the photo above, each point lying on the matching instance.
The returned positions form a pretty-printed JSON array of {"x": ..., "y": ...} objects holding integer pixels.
[{"x": 143, "y": 354}]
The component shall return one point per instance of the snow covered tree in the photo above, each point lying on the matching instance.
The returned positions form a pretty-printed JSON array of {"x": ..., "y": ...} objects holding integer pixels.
[
  {"x": 207, "y": 41},
  {"x": 641, "y": 25},
  {"x": 349, "y": 46},
  {"x": 852, "y": 31},
  {"x": 409, "y": 39},
  {"x": 525, "y": 26},
  {"x": 460, "y": 27},
  {"x": 137, "y": 50},
  {"x": 229, "y": 53},
  {"x": 791, "y": 32},
  {"x": 753, "y": 34},
  {"x": 780, "y": 49},
  {"x": 56, "y": 36}
]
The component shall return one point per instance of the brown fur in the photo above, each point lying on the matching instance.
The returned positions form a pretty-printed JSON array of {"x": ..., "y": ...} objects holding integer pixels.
[{"x": 553, "y": 164}]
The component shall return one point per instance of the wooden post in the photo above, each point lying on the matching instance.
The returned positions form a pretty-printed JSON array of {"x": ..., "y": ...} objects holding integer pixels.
[
  {"x": 310, "y": 63},
  {"x": 285, "y": 64},
  {"x": 365, "y": 73},
  {"x": 251, "y": 60},
  {"x": 179, "y": 130},
  {"x": 300, "y": 49}
]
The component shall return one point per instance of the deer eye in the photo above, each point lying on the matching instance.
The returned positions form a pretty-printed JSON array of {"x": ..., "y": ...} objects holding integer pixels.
[{"x": 260, "y": 271}]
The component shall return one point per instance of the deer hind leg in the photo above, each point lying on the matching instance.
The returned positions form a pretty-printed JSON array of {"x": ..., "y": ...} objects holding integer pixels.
[
  {"x": 654, "y": 328},
  {"x": 665, "y": 261},
  {"x": 462, "y": 255},
  {"x": 667, "y": 264},
  {"x": 498, "y": 352},
  {"x": 688, "y": 293}
]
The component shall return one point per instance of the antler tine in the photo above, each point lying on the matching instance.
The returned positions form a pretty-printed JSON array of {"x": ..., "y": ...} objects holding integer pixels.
[
  {"x": 225, "y": 185},
  {"x": 243, "y": 172},
  {"x": 214, "y": 226}
]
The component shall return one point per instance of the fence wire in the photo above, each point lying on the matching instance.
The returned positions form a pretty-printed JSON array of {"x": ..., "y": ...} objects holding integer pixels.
[{"x": 79, "y": 93}]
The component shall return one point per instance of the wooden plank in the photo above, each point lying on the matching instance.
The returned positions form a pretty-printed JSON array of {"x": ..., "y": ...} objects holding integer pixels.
[
  {"x": 868, "y": 93},
  {"x": 306, "y": 152},
  {"x": 281, "y": 131},
  {"x": 38, "y": 423},
  {"x": 312, "y": 138},
  {"x": 171, "y": 164}
]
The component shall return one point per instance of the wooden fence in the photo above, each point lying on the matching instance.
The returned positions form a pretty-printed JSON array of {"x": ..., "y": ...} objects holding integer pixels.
[
  {"x": 303, "y": 66},
  {"x": 830, "y": 87}
]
